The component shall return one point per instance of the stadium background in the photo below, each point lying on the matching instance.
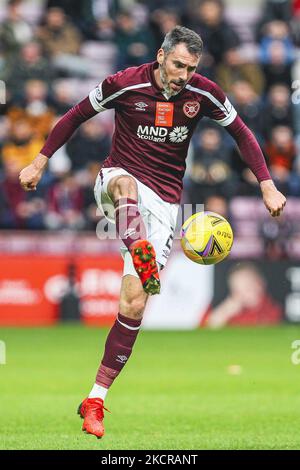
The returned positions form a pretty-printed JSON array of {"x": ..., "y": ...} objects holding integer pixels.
[{"x": 52, "y": 53}]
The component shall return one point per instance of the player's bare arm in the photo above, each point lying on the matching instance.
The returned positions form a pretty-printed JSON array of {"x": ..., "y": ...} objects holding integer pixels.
[
  {"x": 273, "y": 199},
  {"x": 30, "y": 175}
]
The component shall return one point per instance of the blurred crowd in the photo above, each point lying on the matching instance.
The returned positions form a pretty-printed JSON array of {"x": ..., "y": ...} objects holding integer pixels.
[{"x": 52, "y": 53}]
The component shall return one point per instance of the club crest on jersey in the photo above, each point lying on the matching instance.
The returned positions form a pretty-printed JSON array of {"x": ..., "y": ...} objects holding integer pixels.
[
  {"x": 191, "y": 108},
  {"x": 141, "y": 106}
]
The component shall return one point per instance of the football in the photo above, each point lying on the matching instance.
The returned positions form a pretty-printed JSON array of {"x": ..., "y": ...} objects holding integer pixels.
[{"x": 206, "y": 238}]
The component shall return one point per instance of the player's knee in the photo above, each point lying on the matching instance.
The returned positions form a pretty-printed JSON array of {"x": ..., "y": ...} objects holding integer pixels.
[
  {"x": 123, "y": 186},
  {"x": 133, "y": 308}
]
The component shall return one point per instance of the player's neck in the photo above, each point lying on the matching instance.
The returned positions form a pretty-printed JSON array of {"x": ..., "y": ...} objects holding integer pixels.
[
  {"x": 158, "y": 79},
  {"x": 159, "y": 83}
]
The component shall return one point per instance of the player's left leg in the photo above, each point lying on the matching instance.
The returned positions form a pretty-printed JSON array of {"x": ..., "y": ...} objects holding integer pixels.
[
  {"x": 123, "y": 191},
  {"x": 133, "y": 298},
  {"x": 118, "y": 348}
]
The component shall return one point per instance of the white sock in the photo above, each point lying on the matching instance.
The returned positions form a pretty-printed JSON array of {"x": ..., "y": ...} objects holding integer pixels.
[{"x": 98, "y": 392}]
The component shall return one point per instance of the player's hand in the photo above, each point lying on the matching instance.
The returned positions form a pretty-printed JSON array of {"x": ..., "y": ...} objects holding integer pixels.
[
  {"x": 31, "y": 174},
  {"x": 274, "y": 200}
]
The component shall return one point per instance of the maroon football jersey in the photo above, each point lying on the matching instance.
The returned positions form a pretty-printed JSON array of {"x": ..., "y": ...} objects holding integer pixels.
[{"x": 152, "y": 132}]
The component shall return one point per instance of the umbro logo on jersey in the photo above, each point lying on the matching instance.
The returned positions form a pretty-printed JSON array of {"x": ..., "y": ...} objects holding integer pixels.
[
  {"x": 141, "y": 106},
  {"x": 122, "y": 359},
  {"x": 129, "y": 232}
]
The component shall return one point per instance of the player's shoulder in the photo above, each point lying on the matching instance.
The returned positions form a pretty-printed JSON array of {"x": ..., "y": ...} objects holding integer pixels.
[
  {"x": 104, "y": 96},
  {"x": 129, "y": 76},
  {"x": 204, "y": 85}
]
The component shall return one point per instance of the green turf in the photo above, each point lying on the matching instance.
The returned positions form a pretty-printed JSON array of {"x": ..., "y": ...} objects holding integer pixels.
[{"x": 175, "y": 392}]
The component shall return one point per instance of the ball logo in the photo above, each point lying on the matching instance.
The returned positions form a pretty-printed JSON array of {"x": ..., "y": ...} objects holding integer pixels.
[
  {"x": 203, "y": 240},
  {"x": 191, "y": 108}
]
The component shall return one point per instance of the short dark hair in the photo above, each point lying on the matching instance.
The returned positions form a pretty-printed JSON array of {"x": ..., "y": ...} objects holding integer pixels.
[{"x": 187, "y": 36}]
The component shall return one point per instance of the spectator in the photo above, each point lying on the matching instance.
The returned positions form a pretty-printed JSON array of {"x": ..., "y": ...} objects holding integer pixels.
[
  {"x": 30, "y": 65},
  {"x": 61, "y": 99},
  {"x": 22, "y": 145},
  {"x": 65, "y": 205},
  {"x": 247, "y": 185},
  {"x": 211, "y": 172},
  {"x": 162, "y": 21},
  {"x": 90, "y": 144},
  {"x": 87, "y": 179},
  {"x": 277, "y": 110},
  {"x": 14, "y": 31},
  {"x": 280, "y": 150},
  {"x": 11, "y": 195},
  {"x": 79, "y": 12},
  {"x": 248, "y": 105},
  {"x": 276, "y": 54},
  {"x": 58, "y": 35},
  {"x": 295, "y": 22},
  {"x": 218, "y": 37},
  {"x": 61, "y": 41},
  {"x": 277, "y": 70},
  {"x": 18, "y": 210},
  {"x": 34, "y": 108},
  {"x": 235, "y": 68},
  {"x": 176, "y": 5},
  {"x": 5, "y": 65},
  {"x": 273, "y": 10},
  {"x": 105, "y": 29},
  {"x": 135, "y": 44}
]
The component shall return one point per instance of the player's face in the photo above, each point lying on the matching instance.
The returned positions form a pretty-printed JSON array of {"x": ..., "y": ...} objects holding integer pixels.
[{"x": 176, "y": 68}]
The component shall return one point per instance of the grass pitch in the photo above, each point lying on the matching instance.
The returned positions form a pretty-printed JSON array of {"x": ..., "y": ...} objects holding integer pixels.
[{"x": 178, "y": 391}]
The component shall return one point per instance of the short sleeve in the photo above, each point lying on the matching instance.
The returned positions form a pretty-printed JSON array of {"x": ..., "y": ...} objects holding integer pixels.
[
  {"x": 105, "y": 95},
  {"x": 218, "y": 107}
]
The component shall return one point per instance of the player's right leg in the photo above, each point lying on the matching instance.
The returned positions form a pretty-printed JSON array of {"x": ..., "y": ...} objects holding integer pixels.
[
  {"x": 123, "y": 191},
  {"x": 118, "y": 348}
]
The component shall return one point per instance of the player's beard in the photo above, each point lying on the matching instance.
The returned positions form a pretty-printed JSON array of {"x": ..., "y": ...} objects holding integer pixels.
[{"x": 166, "y": 84}]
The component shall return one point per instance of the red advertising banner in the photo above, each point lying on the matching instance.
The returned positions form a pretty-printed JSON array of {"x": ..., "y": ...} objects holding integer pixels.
[
  {"x": 23, "y": 289},
  {"x": 100, "y": 283},
  {"x": 31, "y": 287}
]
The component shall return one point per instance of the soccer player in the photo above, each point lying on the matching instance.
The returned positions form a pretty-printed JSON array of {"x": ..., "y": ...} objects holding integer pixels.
[{"x": 157, "y": 107}]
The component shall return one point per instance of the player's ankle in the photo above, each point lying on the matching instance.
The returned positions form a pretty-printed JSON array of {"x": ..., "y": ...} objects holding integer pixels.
[{"x": 98, "y": 391}]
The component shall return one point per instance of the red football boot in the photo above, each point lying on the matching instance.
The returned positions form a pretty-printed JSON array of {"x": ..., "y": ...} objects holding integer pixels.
[
  {"x": 144, "y": 261},
  {"x": 91, "y": 410}
]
